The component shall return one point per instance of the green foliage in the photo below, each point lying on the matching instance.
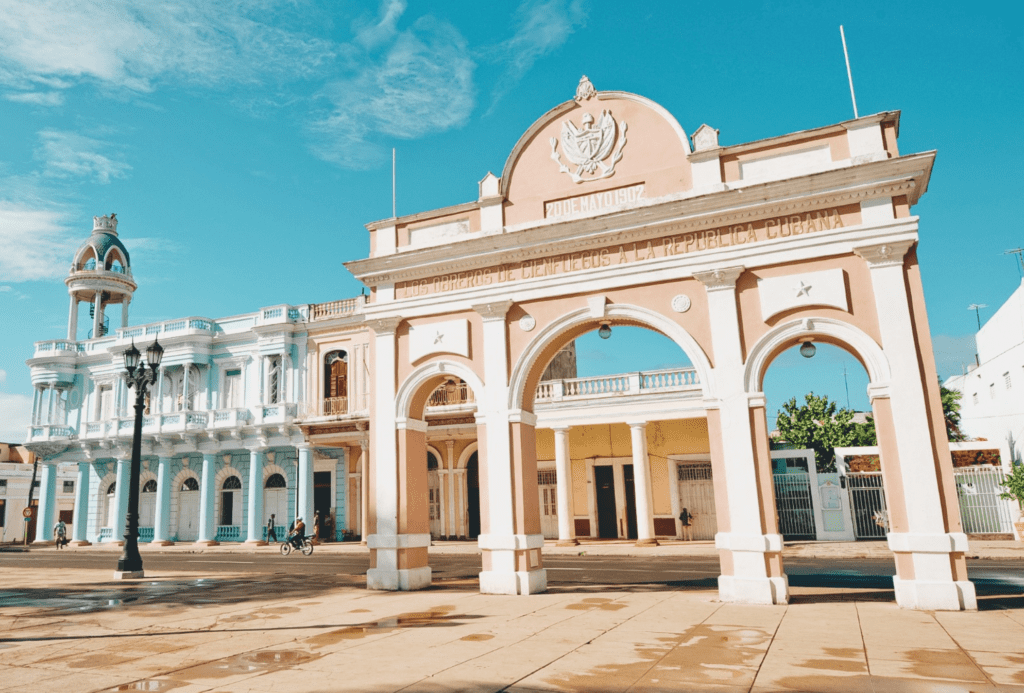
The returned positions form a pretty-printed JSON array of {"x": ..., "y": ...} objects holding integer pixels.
[
  {"x": 822, "y": 426},
  {"x": 1014, "y": 485},
  {"x": 951, "y": 412}
]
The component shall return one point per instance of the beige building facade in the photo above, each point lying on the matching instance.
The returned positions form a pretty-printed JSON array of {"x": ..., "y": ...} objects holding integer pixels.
[{"x": 607, "y": 214}]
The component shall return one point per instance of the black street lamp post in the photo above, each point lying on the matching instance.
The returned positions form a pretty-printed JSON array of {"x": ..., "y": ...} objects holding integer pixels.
[{"x": 129, "y": 565}]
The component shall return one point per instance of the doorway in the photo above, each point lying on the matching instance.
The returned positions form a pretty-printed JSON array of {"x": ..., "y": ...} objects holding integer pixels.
[
  {"x": 627, "y": 478},
  {"x": 473, "y": 496},
  {"x": 607, "y": 524},
  {"x": 322, "y": 501}
]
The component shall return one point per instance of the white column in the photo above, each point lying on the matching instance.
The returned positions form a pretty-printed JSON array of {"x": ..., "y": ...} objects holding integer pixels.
[
  {"x": 185, "y": 386},
  {"x": 51, "y": 403},
  {"x": 642, "y": 485},
  {"x": 47, "y": 503},
  {"x": 80, "y": 524},
  {"x": 384, "y": 542},
  {"x": 452, "y": 504},
  {"x": 442, "y": 476},
  {"x": 159, "y": 408},
  {"x": 926, "y": 539},
  {"x": 750, "y": 581},
  {"x": 563, "y": 477},
  {"x": 255, "y": 517},
  {"x": 73, "y": 319},
  {"x": 37, "y": 404},
  {"x": 363, "y": 492},
  {"x": 124, "y": 311},
  {"x": 162, "y": 513},
  {"x": 463, "y": 495},
  {"x": 124, "y": 467},
  {"x": 97, "y": 314},
  {"x": 304, "y": 486},
  {"x": 207, "y": 493}
]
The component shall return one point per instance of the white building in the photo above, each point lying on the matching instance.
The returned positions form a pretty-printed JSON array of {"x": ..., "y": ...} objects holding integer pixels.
[
  {"x": 16, "y": 464},
  {"x": 992, "y": 406}
]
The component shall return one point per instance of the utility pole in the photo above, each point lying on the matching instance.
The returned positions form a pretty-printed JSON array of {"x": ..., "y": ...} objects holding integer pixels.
[
  {"x": 976, "y": 307},
  {"x": 1018, "y": 260}
]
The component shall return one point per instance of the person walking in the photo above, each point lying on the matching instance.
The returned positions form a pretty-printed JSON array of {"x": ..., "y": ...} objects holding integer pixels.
[
  {"x": 60, "y": 533},
  {"x": 272, "y": 529},
  {"x": 316, "y": 527},
  {"x": 686, "y": 519}
]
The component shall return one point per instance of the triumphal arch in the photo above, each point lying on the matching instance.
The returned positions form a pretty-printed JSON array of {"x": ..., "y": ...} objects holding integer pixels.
[{"x": 606, "y": 213}]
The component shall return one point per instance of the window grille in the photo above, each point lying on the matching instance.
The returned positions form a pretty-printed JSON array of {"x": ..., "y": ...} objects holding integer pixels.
[
  {"x": 276, "y": 481},
  {"x": 232, "y": 483},
  {"x": 431, "y": 462},
  {"x": 694, "y": 472},
  {"x": 190, "y": 484},
  {"x": 547, "y": 477},
  {"x": 150, "y": 486},
  {"x": 113, "y": 487},
  {"x": 274, "y": 380},
  {"x": 69, "y": 487}
]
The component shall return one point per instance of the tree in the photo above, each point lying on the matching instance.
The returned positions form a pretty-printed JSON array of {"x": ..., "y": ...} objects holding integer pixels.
[
  {"x": 951, "y": 412},
  {"x": 822, "y": 426}
]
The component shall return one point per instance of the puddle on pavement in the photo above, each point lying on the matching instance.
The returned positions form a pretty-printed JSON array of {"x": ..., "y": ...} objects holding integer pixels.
[
  {"x": 594, "y": 603},
  {"x": 439, "y": 616},
  {"x": 359, "y": 611},
  {"x": 280, "y": 610},
  {"x": 248, "y": 663},
  {"x": 149, "y": 685},
  {"x": 851, "y": 665},
  {"x": 477, "y": 637}
]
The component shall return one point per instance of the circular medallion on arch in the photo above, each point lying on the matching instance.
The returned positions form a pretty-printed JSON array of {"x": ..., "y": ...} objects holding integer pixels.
[
  {"x": 681, "y": 303},
  {"x": 527, "y": 323}
]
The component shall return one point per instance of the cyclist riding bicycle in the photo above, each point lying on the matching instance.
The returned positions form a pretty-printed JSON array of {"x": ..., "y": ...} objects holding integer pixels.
[{"x": 298, "y": 533}]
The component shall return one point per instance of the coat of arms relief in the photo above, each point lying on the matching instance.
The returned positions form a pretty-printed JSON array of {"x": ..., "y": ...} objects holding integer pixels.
[{"x": 595, "y": 147}]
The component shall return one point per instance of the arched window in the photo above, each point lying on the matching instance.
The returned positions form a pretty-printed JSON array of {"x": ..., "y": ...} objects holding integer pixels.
[
  {"x": 112, "y": 488},
  {"x": 336, "y": 374},
  {"x": 276, "y": 481},
  {"x": 232, "y": 483},
  {"x": 190, "y": 484},
  {"x": 432, "y": 463},
  {"x": 150, "y": 486}
]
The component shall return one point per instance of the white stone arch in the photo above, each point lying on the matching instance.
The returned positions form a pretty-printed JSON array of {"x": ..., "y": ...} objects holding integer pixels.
[
  {"x": 218, "y": 481},
  {"x": 582, "y": 316},
  {"x": 114, "y": 253},
  {"x": 176, "y": 483},
  {"x": 852, "y": 338},
  {"x": 467, "y": 452},
  {"x": 270, "y": 469},
  {"x": 437, "y": 453},
  {"x": 412, "y": 384},
  {"x": 104, "y": 502}
]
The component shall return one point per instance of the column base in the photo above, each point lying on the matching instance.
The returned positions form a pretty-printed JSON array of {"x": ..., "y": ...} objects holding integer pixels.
[
  {"x": 763, "y": 590},
  {"x": 129, "y": 574},
  {"x": 925, "y": 595},
  {"x": 647, "y": 542},
  {"x": 42, "y": 543},
  {"x": 568, "y": 542},
  {"x": 514, "y": 583},
  {"x": 401, "y": 580},
  {"x": 80, "y": 542},
  {"x": 161, "y": 542},
  {"x": 207, "y": 542}
]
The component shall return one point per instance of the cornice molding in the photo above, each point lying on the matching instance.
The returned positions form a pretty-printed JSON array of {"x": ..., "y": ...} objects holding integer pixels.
[
  {"x": 383, "y": 327},
  {"x": 495, "y": 310},
  {"x": 720, "y": 278},
  {"x": 885, "y": 254}
]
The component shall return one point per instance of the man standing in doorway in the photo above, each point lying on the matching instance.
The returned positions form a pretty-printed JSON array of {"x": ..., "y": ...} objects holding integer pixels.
[
  {"x": 271, "y": 530},
  {"x": 686, "y": 519}
]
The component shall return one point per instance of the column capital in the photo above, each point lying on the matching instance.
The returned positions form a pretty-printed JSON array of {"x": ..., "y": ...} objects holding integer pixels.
[
  {"x": 560, "y": 428},
  {"x": 637, "y": 424},
  {"x": 885, "y": 254},
  {"x": 450, "y": 444},
  {"x": 522, "y": 416},
  {"x": 403, "y": 423},
  {"x": 385, "y": 326},
  {"x": 720, "y": 278},
  {"x": 494, "y": 310}
]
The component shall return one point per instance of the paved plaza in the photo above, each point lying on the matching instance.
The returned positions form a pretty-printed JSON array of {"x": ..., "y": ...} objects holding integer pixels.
[{"x": 185, "y": 632}]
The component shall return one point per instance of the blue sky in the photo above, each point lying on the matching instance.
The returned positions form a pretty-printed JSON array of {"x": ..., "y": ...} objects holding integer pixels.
[{"x": 244, "y": 144}]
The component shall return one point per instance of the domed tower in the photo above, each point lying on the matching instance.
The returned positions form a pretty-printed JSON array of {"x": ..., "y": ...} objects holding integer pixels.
[{"x": 100, "y": 275}]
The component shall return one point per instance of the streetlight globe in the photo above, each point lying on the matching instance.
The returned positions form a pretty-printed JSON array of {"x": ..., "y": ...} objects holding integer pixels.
[
  {"x": 154, "y": 354},
  {"x": 807, "y": 350},
  {"x": 131, "y": 358},
  {"x": 605, "y": 332}
]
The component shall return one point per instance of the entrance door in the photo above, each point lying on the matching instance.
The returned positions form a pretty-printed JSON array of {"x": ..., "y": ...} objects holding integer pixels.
[
  {"x": 697, "y": 495},
  {"x": 473, "y": 496},
  {"x": 275, "y": 502},
  {"x": 188, "y": 515},
  {"x": 147, "y": 504},
  {"x": 607, "y": 524},
  {"x": 321, "y": 502},
  {"x": 547, "y": 488},
  {"x": 434, "y": 489},
  {"x": 627, "y": 478}
]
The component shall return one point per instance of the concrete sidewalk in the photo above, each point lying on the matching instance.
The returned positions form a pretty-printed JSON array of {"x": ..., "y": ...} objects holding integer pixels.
[
  {"x": 188, "y": 633},
  {"x": 978, "y": 548}
]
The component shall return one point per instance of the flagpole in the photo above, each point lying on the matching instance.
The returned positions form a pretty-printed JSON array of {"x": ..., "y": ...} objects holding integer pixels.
[{"x": 849, "y": 74}]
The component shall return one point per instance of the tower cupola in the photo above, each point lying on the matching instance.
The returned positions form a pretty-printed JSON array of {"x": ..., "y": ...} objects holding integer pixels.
[{"x": 100, "y": 275}]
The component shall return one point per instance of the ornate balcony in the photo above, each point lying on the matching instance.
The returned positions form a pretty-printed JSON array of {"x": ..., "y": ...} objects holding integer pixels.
[
  {"x": 45, "y": 432},
  {"x": 621, "y": 385}
]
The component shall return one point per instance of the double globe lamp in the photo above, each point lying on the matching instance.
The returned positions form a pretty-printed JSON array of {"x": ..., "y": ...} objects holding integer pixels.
[{"x": 129, "y": 565}]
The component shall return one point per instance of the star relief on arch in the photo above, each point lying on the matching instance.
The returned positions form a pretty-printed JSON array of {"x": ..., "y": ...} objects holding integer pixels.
[{"x": 595, "y": 147}]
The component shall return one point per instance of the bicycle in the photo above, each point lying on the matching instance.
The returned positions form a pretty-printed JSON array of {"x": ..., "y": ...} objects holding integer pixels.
[{"x": 306, "y": 547}]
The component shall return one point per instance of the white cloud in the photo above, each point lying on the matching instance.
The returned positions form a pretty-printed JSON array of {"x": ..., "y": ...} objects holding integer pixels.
[
  {"x": 541, "y": 27},
  {"x": 67, "y": 154},
  {"x": 3, "y": 376},
  {"x": 38, "y": 98},
  {"x": 132, "y": 44},
  {"x": 15, "y": 416},
  {"x": 37, "y": 243},
  {"x": 422, "y": 83}
]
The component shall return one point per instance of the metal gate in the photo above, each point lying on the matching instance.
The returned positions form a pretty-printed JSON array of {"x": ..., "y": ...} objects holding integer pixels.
[
  {"x": 697, "y": 495},
  {"x": 870, "y": 512},
  {"x": 794, "y": 505},
  {"x": 981, "y": 509}
]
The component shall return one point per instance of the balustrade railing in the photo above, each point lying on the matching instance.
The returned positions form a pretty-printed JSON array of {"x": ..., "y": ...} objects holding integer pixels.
[
  {"x": 667, "y": 380},
  {"x": 146, "y": 534},
  {"x": 334, "y": 406},
  {"x": 229, "y": 533},
  {"x": 448, "y": 395},
  {"x": 334, "y": 309}
]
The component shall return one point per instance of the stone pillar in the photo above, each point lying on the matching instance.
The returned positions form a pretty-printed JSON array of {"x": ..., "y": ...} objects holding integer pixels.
[
  {"x": 382, "y": 532},
  {"x": 255, "y": 516},
  {"x": 162, "y": 514},
  {"x": 80, "y": 525},
  {"x": 304, "y": 486},
  {"x": 97, "y": 314},
  {"x": 51, "y": 403},
  {"x": 187, "y": 370},
  {"x": 750, "y": 548},
  {"x": 462, "y": 494},
  {"x": 510, "y": 538},
  {"x": 364, "y": 482},
  {"x": 47, "y": 509},
  {"x": 563, "y": 476},
  {"x": 207, "y": 493},
  {"x": 925, "y": 530},
  {"x": 452, "y": 504},
  {"x": 642, "y": 486},
  {"x": 124, "y": 311},
  {"x": 73, "y": 319},
  {"x": 124, "y": 468},
  {"x": 159, "y": 408}
]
